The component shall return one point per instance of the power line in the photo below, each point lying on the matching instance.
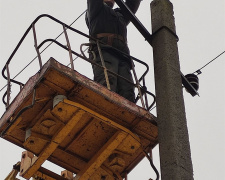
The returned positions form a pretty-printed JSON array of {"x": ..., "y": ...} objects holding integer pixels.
[
  {"x": 43, "y": 50},
  {"x": 199, "y": 70}
]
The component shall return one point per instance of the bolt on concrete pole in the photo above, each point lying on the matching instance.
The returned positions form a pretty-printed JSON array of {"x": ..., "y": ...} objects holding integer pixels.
[{"x": 174, "y": 147}]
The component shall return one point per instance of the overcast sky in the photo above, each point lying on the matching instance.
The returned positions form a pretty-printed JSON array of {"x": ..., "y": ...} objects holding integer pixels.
[{"x": 200, "y": 26}]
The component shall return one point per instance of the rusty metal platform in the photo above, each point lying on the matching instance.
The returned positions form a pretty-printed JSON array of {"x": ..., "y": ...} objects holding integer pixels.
[{"x": 93, "y": 132}]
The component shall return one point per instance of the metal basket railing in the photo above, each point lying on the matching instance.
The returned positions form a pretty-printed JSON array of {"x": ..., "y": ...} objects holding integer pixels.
[{"x": 142, "y": 89}]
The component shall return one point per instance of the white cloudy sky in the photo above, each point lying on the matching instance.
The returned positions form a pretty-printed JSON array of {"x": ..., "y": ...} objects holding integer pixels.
[{"x": 200, "y": 26}]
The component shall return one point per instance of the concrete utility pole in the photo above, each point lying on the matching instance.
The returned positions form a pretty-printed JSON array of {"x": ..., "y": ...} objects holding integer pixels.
[{"x": 174, "y": 148}]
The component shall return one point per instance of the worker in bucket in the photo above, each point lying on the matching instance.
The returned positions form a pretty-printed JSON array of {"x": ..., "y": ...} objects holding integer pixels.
[{"x": 110, "y": 26}]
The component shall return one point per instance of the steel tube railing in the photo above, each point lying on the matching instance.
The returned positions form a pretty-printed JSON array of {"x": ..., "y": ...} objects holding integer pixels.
[{"x": 68, "y": 48}]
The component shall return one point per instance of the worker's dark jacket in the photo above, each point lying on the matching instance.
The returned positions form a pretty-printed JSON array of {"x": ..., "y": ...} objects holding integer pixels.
[{"x": 101, "y": 18}]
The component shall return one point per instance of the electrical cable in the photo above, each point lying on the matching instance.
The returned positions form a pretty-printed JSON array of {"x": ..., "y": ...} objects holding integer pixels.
[
  {"x": 152, "y": 164},
  {"x": 152, "y": 108},
  {"x": 199, "y": 70},
  {"x": 43, "y": 50}
]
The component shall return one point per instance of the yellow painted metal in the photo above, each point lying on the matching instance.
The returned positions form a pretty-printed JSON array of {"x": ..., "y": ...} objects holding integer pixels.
[
  {"x": 123, "y": 139},
  {"x": 57, "y": 139},
  {"x": 101, "y": 156},
  {"x": 45, "y": 174},
  {"x": 67, "y": 174},
  {"x": 102, "y": 118},
  {"x": 93, "y": 133},
  {"x": 12, "y": 175},
  {"x": 28, "y": 160},
  {"x": 39, "y": 175},
  {"x": 14, "y": 125}
]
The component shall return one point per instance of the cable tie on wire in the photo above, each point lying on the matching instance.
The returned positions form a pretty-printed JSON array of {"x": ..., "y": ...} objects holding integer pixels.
[{"x": 198, "y": 72}]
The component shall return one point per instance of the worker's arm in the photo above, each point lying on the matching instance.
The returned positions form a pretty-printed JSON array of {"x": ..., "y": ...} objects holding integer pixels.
[
  {"x": 93, "y": 7},
  {"x": 133, "y": 5}
]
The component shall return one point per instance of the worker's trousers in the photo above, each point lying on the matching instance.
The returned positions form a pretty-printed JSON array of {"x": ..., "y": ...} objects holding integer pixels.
[{"x": 119, "y": 66}]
